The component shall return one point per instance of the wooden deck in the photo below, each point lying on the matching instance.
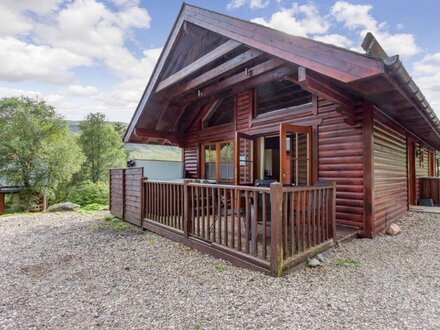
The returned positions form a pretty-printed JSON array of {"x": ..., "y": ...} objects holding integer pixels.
[
  {"x": 425, "y": 209},
  {"x": 346, "y": 233},
  {"x": 265, "y": 229}
]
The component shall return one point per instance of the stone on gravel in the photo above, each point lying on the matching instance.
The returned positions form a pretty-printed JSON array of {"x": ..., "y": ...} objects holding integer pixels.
[
  {"x": 313, "y": 263},
  {"x": 393, "y": 230},
  {"x": 320, "y": 257},
  {"x": 62, "y": 207}
]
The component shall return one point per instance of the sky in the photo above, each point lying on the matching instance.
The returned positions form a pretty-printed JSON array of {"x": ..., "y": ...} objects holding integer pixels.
[{"x": 85, "y": 56}]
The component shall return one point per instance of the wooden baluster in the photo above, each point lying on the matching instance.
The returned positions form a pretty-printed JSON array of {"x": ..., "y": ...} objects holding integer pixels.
[
  {"x": 246, "y": 202},
  {"x": 193, "y": 210},
  {"x": 203, "y": 212},
  {"x": 313, "y": 212},
  {"x": 238, "y": 199},
  {"x": 213, "y": 214},
  {"x": 297, "y": 221},
  {"x": 226, "y": 216},
  {"x": 207, "y": 213},
  {"x": 319, "y": 217},
  {"x": 219, "y": 215},
  {"x": 255, "y": 225},
  {"x": 264, "y": 208},
  {"x": 233, "y": 211},
  {"x": 304, "y": 220},
  {"x": 292, "y": 222},
  {"x": 285, "y": 224},
  {"x": 276, "y": 244}
]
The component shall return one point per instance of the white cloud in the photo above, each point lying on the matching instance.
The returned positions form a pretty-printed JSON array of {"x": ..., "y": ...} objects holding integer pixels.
[
  {"x": 23, "y": 61},
  {"x": 335, "y": 39},
  {"x": 427, "y": 77},
  {"x": 358, "y": 18},
  {"x": 253, "y": 4},
  {"x": 80, "y": 90},
  {"x": 300, "y": 20}
]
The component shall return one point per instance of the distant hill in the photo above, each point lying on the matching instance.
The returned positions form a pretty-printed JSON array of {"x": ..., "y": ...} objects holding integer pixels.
[{"x": 141, "y": 151}]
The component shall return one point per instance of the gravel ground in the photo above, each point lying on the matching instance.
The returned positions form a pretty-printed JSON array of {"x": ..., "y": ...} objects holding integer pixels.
[{"x": 75, "y": 270}]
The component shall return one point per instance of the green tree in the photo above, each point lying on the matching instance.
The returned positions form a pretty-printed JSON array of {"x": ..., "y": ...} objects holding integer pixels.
[
  {"x": 102, "y": 147},
  {"x": 120, "y": 128},
  {"x": 37, "y": 151}
]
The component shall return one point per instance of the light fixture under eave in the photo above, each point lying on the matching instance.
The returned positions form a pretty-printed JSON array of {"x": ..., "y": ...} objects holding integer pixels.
[{"x": 199, "y": 93}]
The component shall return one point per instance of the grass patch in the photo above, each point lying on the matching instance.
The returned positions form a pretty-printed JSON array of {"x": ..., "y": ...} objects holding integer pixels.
[
  {"x": 197, "y": 326},
  {"x": 94, "y": 207},
  {"x": 347, "y": 262},
  {"x": 219, "y": 268}
]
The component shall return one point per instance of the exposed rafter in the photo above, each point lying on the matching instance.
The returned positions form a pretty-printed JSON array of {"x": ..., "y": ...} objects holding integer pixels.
[
  {"x": 217, "y": 72},
  {"x": 319, "y": 85},
  {"x": 244, "y": 76},
  {"x": 213, "y": 55}
]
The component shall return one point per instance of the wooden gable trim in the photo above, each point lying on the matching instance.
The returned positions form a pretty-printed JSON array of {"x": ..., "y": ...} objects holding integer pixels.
[
  {"x": 203, "y": 61},
  {"x": 156, "y": 72},
  {"x": 340, "y": 64}
]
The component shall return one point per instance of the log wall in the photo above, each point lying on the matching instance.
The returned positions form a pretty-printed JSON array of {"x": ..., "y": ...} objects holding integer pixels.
[{"x": 390, "y": 178}]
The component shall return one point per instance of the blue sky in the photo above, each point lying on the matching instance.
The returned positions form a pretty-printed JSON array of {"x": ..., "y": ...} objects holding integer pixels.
[{"x": 95, "y": 55}]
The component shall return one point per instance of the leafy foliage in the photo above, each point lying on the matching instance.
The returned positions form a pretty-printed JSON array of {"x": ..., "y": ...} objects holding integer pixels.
[
  {"x": 37, "y": 150},
  {"x": 90, "y": 193},
  {"x": 102, "y": 147}
]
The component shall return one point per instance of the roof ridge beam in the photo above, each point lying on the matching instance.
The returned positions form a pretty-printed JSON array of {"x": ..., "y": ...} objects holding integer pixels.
[{"x": 206, "y": 59}]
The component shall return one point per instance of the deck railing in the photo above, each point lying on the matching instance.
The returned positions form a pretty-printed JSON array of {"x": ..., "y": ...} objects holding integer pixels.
[{"x": 266, "y": 229}]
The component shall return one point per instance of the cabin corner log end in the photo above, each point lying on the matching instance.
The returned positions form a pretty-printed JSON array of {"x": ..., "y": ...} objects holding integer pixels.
[{"x": 270, "y": 230}]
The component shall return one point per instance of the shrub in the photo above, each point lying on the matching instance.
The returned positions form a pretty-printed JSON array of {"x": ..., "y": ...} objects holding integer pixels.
[{"x": 90, "y": 193}]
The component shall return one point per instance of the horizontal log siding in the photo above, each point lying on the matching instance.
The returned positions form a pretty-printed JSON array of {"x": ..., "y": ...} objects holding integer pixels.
[
  {"x": 390, "y": 172},
  {"x": 340, "y": 159}
]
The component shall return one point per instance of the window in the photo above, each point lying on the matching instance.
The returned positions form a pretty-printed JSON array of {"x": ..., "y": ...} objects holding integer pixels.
[
  {"x": 298, "y": 155},
  {"x": 218, "y": 159},
  {"x": 277, "y": 95},
  {"x": 221, "y": 113}
]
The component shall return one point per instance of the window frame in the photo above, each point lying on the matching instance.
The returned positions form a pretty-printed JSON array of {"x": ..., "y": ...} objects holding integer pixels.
[{"x": 217, "y": 160}]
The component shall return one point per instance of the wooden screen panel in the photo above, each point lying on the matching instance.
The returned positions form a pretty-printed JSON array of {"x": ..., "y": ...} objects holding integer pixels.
[
  {"x": 133, "y": 195},
  {"x": 116, "y": 192},
  {"x": 390, "y": 172}
]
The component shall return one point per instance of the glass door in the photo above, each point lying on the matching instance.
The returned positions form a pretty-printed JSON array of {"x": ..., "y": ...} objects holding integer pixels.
[
  {"x": 244, "y": 159},
  {"x": 295, "y": 155}
]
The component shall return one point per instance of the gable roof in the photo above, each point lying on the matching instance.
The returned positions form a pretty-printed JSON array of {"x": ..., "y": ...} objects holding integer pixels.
[{"x": 356, "y": 73}]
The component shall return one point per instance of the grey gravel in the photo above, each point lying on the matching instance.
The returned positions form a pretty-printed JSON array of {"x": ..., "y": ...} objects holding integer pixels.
[{"x": 75, "y": 271}]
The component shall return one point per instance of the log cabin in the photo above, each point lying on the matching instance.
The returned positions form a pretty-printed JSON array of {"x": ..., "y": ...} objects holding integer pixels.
[{"x": 286, "y": 141}]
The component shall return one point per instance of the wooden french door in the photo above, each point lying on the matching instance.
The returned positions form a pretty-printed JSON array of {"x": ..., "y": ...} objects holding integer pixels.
[
  {"x": 244, "y": 159},
  {"x": 295, "y": 155}
]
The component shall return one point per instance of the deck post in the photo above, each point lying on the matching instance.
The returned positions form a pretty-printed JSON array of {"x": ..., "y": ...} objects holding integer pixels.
[
  {"x": 276, "y": 245},
  {"x": 186, "y": 209},
  {"x": 333, "y": 211}
]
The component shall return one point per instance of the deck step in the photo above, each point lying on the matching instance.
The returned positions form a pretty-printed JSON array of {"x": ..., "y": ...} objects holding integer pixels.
[{"x": 346, "y": 233}]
